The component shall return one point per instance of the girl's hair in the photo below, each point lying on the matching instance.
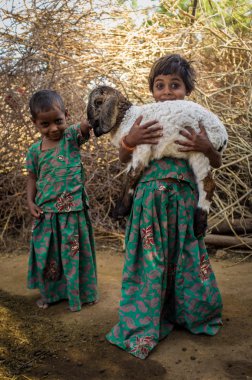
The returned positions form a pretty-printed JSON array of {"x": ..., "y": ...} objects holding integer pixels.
[
  {"x": 45, "y": 100},
  {"x": 173, "y": 64}
]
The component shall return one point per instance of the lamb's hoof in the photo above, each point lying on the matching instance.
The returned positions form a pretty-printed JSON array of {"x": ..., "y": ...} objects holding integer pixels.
[
  {"x": 200, "y": 222},
  {"x": 120, "y": 211}
]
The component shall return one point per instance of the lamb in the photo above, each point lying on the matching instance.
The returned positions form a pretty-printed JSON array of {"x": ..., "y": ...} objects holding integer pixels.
[{"x": 109, "y": 111}]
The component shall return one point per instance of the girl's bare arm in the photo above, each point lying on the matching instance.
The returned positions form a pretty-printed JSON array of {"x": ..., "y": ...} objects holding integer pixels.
[{"x": 31, "y": 194}]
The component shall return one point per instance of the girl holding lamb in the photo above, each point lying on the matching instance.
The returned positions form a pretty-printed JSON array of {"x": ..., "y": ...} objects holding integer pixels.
[{"x": 167, "y": 276}]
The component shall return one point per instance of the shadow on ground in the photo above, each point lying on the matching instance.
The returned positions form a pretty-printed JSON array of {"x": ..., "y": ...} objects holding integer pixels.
[{"x": 38, "y": 345}]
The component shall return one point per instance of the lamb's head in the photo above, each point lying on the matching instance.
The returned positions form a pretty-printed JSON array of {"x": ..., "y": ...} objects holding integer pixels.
[{"x": 106, "y": 109}]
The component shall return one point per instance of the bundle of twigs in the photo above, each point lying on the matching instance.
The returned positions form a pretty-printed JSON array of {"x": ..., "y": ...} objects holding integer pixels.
[{"x": 73, "y": 46}]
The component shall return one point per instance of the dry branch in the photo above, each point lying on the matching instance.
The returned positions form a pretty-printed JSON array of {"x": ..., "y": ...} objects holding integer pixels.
[
  {"x": 238, "y": 226},
  {"x": 72, "y": 47},
  {"x": 229, "y": 241}
]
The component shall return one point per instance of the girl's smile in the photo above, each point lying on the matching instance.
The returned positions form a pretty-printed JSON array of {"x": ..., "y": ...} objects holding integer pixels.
[{"x": 169, "y": 87}]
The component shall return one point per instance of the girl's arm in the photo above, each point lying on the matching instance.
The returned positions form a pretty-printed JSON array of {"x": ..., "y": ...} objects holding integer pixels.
[
  {"x": 199, "y": 142},
  {"x": 148, "y": 133},
  {"x": 31, "y": 193}
]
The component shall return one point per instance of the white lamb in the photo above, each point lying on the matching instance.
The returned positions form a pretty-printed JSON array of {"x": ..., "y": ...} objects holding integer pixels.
[{"x": 109, "y": 111}]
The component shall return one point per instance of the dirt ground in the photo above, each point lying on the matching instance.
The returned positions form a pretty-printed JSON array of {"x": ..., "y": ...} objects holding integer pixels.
[{"x": 55, "y": 344}]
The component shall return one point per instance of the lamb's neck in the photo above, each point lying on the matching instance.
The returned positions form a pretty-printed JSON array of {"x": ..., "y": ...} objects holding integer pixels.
[{"x": 123, "y": 107}]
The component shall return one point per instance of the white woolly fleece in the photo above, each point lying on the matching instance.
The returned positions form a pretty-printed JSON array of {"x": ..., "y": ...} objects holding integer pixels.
[{"x": 174, "y": 116}]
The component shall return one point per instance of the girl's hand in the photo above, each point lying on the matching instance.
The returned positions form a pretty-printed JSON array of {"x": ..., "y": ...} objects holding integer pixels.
[
  {"x": 85, "y": 128},
  {"x": 148, "y": 133},
  {"x": 199, "y": 142},
  {"x": 35, "y": 210}
]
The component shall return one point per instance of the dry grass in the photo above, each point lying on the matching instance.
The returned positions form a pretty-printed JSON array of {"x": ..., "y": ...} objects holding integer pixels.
[{"x": 72, "y": 46}]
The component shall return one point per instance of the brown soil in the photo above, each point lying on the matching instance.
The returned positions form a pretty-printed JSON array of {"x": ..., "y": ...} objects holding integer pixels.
[{"x": 55, "y": 344}]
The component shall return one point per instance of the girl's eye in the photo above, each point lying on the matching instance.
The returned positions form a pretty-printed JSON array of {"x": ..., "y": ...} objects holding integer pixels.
[
  {"x": 44, "y": 125},
  {"x": 159, "y": 86},
  {"x": 174, "y": 85},
  {"x": 59, "y": 121}
]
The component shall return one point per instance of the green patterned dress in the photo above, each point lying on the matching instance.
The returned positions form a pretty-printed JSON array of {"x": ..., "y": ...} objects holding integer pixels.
[
  {"x": 62, "y": 261},
  {"x": 167, "y": 276}
]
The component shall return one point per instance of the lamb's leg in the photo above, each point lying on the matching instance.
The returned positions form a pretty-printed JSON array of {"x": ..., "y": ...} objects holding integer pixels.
[
  {"x": 201, "y": 213},
  {"x": 200, "y": 218},
  {"x": 200, "y": 222},
  {"x": 209, "y": 186},
  {"x": 206, "y": 186},
  {"x": 124, "y": 203}
]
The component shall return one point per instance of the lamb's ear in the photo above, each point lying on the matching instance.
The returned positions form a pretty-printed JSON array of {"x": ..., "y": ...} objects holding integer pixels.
[
  {"x": 109, "y": 113},
  {"x": 91, "y": 109}
]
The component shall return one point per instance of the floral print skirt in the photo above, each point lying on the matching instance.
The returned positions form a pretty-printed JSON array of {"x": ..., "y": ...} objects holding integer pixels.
[
  {"x": 62, "y": 261},
  {"x": 167, "y": 276}
]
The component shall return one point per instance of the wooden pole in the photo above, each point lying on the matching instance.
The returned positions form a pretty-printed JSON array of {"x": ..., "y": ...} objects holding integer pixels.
[
  {"x": 240, "y": 226},
  {"x": 228, "y": 241}
]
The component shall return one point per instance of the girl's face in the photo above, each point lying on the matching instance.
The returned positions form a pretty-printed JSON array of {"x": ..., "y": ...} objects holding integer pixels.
[
  {"x": 51, "y": 124},
  {"x": 169, "y": 87}
]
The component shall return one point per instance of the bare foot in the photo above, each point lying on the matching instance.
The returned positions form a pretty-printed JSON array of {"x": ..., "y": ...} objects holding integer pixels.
[
  {"x": 73, "y": 308},
  {"x": 42, "y": 304},
  {"x": 90, "y": 303}
]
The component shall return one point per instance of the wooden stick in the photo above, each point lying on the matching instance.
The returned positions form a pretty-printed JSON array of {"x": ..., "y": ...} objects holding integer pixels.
[
  {"x": 242, "y": 226},
  {"x": 228, "y": 241}
]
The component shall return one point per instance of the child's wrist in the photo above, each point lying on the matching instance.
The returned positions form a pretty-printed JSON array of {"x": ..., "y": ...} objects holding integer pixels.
[
  {"x": 85, "y": 130},
  {"x": 86, "y": 136},
  {"x": 127, "y": 145},
  {"x": 129, "y": 142}
]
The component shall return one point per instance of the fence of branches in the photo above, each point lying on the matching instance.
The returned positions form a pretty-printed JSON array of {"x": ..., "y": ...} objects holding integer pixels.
[{"x": 73, "y": 46}]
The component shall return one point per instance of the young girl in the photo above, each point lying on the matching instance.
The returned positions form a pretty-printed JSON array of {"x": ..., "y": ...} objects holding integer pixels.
[
  {"x": 167, "y": 276},
  {"x": 62, "y": 254}
]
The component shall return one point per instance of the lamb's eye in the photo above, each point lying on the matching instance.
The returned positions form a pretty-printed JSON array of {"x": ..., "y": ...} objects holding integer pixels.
[{"x": 98, "y": 102}]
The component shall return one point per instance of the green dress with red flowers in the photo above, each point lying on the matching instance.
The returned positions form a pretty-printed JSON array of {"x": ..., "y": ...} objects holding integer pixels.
[
  {"x": 167, "y": 276},
  {"x": 62, "y": 261}
]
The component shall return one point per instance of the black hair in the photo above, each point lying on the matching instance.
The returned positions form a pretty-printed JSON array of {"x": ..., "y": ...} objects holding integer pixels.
[
  {"x": 173, "y": 64},
  {"x": 45, "y": 100}
]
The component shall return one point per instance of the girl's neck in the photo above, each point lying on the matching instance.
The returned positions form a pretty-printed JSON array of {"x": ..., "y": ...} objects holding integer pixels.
[{"x": 48, "y": 144}]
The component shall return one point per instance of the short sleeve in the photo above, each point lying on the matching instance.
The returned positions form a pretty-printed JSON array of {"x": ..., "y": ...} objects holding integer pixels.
[
  {"x": 74, "y": 132},
  {"x": 31, "y": 161}
]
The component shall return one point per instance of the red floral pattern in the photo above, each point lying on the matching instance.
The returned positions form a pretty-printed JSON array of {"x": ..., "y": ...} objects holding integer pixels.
[
  {"x": 52, "y": 271},
  {"x": 64, "y": 202},
  {"x": 147, "y": 236},
  {"x": 74, "y": 247},
  {"x": 142, "y": 346},
  {"x": 205, "y": 268}
]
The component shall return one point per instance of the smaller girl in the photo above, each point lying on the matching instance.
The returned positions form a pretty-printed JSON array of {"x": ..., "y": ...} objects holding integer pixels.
[
  {"x": 167, "y": 277},
  {"x": 62, "y": 261}
]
